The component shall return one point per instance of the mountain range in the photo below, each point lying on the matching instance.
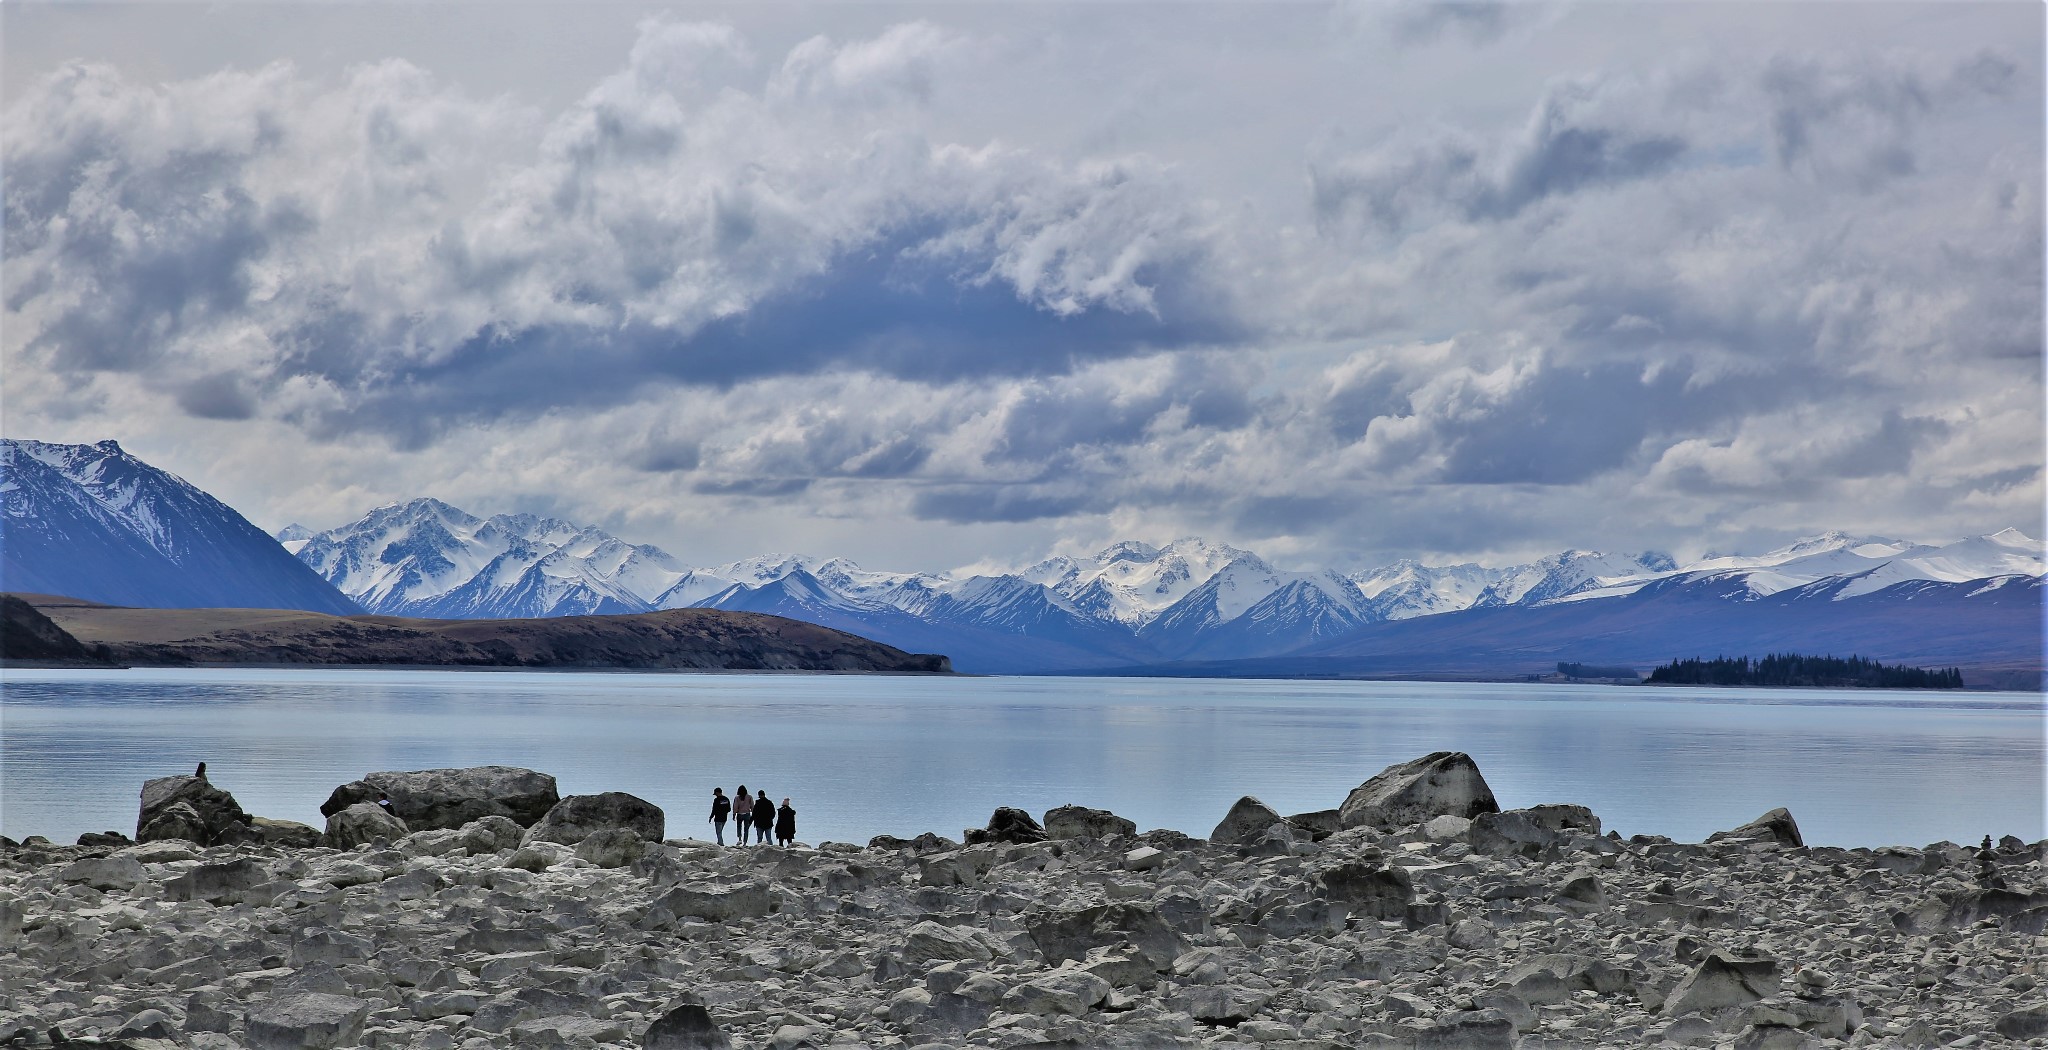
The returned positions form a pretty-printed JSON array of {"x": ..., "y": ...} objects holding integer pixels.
[
  {"x": 1188, "y": 603},
  {"x": 91, "y": 522}
]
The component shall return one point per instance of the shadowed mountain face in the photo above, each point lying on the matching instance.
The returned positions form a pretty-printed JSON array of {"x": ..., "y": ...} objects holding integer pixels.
[
  {"x": 1990, "y": 628},
  {"x": 676, "y": 639},
  {"x": 26, "y": 634},
  {"x": 94, "y": 522}
]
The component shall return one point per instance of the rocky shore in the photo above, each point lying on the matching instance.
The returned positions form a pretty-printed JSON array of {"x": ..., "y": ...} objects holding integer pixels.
[{"x": 481, "y": 910}]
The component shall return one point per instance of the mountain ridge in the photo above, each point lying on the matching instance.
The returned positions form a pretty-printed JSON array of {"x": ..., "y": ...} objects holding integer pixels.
[
  {"x": 153, "y": 537},
  {"x": 1133, "y": 602}
]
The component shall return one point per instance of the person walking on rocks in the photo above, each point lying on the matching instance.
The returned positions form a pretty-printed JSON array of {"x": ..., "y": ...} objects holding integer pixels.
[
  {"x": 743, "y": 808},
  {"x": 764, "y": 817},
  {"x": 721, "y": 808},
  {"x": 785, "y": 824}
]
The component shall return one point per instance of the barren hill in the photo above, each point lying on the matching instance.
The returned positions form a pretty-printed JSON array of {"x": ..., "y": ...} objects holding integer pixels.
[{"x": 676, "y": 639}]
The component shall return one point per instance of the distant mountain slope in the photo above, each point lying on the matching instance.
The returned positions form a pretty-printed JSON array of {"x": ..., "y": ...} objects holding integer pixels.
[
  {"x": 426, "y": 558},
  {"x": 678, "y": 639},
  {"x": 1129, "y": 604},
  {"x": 1992, "y": 628},
  {"x": 94, "y": 522}
]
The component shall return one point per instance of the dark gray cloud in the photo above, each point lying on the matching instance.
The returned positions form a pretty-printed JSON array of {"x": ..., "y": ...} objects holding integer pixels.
[
  {"x": 1562, "y": 149},
  {"x": 757, "y": 487},
  {"x": 218, "y": 396},
  {"x": 980, "y": 504}
]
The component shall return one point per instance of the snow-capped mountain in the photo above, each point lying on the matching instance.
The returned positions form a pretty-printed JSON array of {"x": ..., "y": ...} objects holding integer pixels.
[
  {"x": 1134, "y": 583},
  {"x": 426, "y": 558},
  {"x": 1409, "y": 588},
  {"x": 1864, "y": 565},
  {"x": 1573, "y": 572},
  {"x": 93, "y": 522},
  {"x": 1261, "y": 610},
  {"x": 1129, "y": 604}
]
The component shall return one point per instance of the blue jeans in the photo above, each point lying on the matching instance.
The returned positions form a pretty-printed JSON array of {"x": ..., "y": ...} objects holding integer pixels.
[{"x": 718, "y": 829}]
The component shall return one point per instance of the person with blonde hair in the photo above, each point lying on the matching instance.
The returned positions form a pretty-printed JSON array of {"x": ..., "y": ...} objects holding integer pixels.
[{"x": 785, "y": 823}]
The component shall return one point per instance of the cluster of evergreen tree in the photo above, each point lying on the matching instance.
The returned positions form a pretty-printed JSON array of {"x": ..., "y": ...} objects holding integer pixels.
[
  {"x": 1571, "y": 670},
  {"x": 1791, "y": 669}
]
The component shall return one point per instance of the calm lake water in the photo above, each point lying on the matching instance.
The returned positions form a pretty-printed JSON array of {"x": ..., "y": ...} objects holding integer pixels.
[{"x": 862, "y": 756}]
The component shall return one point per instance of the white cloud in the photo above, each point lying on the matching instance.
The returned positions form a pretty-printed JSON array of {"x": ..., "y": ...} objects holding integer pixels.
[{"x": 851, "y": 287}]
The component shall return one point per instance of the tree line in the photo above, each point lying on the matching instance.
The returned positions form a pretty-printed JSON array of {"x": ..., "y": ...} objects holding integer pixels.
[
  {"x": 1791, "y": 669},
  {"x": 1571, "y": 670}
]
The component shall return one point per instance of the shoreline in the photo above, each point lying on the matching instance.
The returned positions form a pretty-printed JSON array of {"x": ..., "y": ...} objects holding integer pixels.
[
  {"x": 1445, "y": 679},
  {"x": 1416, "y": 915}
]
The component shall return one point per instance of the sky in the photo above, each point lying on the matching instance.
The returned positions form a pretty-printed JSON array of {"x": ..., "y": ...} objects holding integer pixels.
[{"x": 938, "y": 285}]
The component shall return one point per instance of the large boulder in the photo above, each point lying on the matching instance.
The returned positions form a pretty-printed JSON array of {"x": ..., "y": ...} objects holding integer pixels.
[
  {"x": 720, "y": 902},
  {"x": 1369, "y": 890},
  {"x": 686, "y": 1026},
  {"x": 284, "y": 832},
  {"x": 574, "y": 818},
  {"x": 306, "y": 1021},
  {"x": 1080, "y": 822},
  {"x": 1247, "y": 822},
  {"x": 1723, "y": 980},
  {"x": 189, "y": 808},
  {"x": 1068, "y": 936},
  {"x": 449, "y": 798},
  {"x": 118, "y": 872},
  {"x": 1446, "y": 783},
  {"x": 222, "y": 882},
  {"x": 1777, "y": 827},
  {"x": 1006, "y": 825},
  {"x": 363, "y": 822}
]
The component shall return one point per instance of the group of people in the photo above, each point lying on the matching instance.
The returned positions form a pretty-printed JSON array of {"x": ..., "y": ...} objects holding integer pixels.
[{"x": 752, "y": 812}]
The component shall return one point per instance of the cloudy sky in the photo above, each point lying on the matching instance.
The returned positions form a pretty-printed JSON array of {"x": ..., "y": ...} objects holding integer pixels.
[{"x": 938, "y": 285}]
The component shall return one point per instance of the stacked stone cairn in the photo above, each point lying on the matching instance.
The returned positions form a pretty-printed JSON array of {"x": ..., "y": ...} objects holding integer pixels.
[{"x": 485, "y": 911}]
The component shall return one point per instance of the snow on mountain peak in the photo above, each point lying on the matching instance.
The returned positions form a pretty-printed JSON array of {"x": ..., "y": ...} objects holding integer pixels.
[
  {"x": 1190, "y": 596},
  {"x": 2011, "y": 537}
]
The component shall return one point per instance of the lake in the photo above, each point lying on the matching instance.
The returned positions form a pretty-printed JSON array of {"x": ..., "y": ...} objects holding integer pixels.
[{"x": 862, "y": 756}]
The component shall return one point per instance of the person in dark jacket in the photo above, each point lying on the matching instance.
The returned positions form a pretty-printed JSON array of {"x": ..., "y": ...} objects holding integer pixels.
[
  {"x": 721, "y": 808},
  {"x": 764, "y": 816},
  {"x": 743, "y": 805},
  {"x": 785, "y": 823}
]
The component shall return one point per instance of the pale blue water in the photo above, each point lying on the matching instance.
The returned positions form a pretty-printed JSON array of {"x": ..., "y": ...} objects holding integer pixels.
[{"x": 863, "y": 756}]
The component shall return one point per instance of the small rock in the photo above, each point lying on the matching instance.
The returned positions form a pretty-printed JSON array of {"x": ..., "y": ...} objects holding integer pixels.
[
  {"x": 1144, "y": 858},
  {"x": 687, "y": 1026}
]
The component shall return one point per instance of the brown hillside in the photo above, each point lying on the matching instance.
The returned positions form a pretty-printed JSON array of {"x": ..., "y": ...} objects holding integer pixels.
[{"x": 676, "y": 639}]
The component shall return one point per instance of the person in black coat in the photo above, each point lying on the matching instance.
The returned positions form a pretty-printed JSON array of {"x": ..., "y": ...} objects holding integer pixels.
[
  {"x": 721, "y": 808},
  {"x": 785, "y": 823},
  {"x": 764, "y": 816}
]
